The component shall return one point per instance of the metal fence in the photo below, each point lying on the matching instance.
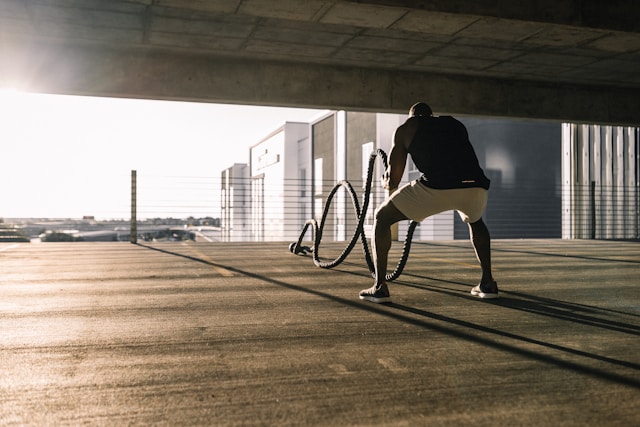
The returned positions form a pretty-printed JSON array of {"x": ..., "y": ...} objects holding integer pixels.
[
  {"x": 521, "y": 210},
  {"x": 181, "y": 207},
  {"x": 602, "y": 212}
]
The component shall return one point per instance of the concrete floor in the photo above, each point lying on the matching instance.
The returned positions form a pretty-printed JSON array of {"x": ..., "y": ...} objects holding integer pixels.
[{"x": 250, "y": 335}]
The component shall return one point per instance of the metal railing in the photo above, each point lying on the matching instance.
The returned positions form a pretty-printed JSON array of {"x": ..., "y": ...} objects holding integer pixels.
[
  {"x": 602, "y": 212},
  {"x": 519, "y": 210},
  {"x": 164, "y": 207}
]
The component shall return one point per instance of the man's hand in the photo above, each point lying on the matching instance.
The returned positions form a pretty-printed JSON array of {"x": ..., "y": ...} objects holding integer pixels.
[{"x": 384, "y": 180}]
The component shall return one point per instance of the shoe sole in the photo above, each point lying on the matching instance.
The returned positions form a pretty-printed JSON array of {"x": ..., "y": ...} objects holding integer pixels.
[
  {"x": 485, "y": 295},
  {"x": 375, "y": 299}
]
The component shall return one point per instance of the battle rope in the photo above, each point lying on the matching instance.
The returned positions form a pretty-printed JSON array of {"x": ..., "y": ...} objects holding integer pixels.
[{"x": 298, "y": 249}]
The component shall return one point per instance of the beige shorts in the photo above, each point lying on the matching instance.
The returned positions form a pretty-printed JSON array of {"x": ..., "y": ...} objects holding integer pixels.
[{"x": 417, "y": 201}]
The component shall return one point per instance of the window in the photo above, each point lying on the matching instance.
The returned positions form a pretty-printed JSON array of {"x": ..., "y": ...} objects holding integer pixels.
[
  {"x": 302, "y": 182},
  {"x": 318, "y": 176},
  {"x": 367, "y": 149}
]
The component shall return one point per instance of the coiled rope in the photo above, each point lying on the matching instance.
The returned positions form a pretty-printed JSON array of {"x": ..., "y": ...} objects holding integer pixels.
[{"x": 298, "y": 249}]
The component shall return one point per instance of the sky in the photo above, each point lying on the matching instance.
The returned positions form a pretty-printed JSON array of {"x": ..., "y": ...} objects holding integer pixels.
[{"x": 69, "y": 157}]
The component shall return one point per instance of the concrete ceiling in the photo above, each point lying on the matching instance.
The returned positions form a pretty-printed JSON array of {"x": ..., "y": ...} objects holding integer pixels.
[{"x": 575, "y": 60}]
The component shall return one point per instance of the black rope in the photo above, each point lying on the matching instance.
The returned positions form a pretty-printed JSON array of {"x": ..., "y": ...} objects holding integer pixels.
[{"x": 298, "y": 249}]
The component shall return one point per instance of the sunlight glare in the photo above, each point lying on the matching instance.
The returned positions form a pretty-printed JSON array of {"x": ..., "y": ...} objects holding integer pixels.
[
  {"x": 65, "y": 156},
  {"x": 11, "y": 95}
]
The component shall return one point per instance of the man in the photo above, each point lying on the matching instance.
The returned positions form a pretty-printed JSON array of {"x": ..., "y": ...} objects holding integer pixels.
[{"x": 452, "y": 179}]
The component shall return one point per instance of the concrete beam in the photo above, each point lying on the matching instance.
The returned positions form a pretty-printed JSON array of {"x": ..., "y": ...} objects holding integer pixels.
[
  {"x": 141, "y": 73},
  {"x": 620, "y": 15}
]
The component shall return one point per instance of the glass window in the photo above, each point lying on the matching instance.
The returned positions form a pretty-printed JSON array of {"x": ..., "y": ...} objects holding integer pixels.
[
  {"x": 367, "y": 149},
  {"x": 318, "y": 176}
]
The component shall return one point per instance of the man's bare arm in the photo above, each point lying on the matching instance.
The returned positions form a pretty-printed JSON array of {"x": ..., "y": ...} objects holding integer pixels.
[{"x": 397, "y": 158}]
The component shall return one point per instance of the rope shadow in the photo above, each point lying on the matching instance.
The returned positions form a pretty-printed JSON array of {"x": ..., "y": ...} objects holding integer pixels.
[
  {"x": 537, "y": 303},
  {"x": 189, "y": 257},
  {"x": 575, "y": 306},
  {"x": 496, "y": 332},
  {"x": 407, "y": 315},
  {"x": 565, "y": 311},
  {"x": 561, "y": 310},
  {"x": 520, "y": 251}
]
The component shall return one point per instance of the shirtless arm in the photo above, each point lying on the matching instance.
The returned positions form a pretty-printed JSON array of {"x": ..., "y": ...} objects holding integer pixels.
[{"x": 398, "y": 155}]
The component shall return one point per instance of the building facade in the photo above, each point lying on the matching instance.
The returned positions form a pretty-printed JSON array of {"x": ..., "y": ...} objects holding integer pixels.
[
  {"x": 601, "y": 181},
  {"x": 523, "y": 160},
  {"x": 280, "y": 183},
  {"x": 235, "y": 202},
  {"x": 342, "y": 143},
  {"x": 536, "y": 169}
]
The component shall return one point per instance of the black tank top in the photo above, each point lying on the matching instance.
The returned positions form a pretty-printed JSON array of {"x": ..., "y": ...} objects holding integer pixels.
[{"x": 442, "y": 152}]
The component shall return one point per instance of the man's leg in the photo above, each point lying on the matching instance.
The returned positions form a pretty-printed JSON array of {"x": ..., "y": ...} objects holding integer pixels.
[
  {"x": 385, "y": 216},
  {"x": 481, "y": 241}
]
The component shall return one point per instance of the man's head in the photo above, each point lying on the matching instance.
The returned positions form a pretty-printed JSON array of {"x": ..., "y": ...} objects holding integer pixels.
[{"x": 420, "y": 109}]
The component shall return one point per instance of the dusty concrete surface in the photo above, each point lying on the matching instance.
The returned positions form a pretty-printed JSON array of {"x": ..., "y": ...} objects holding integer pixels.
[{"x": 248, "y": 334}]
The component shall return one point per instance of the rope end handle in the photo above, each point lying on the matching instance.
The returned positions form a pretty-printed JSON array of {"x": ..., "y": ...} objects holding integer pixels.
[{"x": 297, "y": 249}]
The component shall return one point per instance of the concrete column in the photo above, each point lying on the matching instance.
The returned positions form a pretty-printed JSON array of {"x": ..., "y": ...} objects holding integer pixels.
[
  {"x": 133, "y": 234},
  {"x": 340, "y": 199}
]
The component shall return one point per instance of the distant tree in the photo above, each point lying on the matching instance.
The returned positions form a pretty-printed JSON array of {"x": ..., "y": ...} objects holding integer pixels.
[
  {"x": 58, "y": 237},
  {"x": 8, "y": 234}
]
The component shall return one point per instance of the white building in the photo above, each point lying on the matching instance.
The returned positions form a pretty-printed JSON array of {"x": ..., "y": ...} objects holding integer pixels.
[
  {"x": 342, "y": 144},
  {"x": 235, "y": 198},
  {"x": 293, "y": 170},
  {"x": 280, "y": 174},
  {"x": 601, "y": 182}
]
